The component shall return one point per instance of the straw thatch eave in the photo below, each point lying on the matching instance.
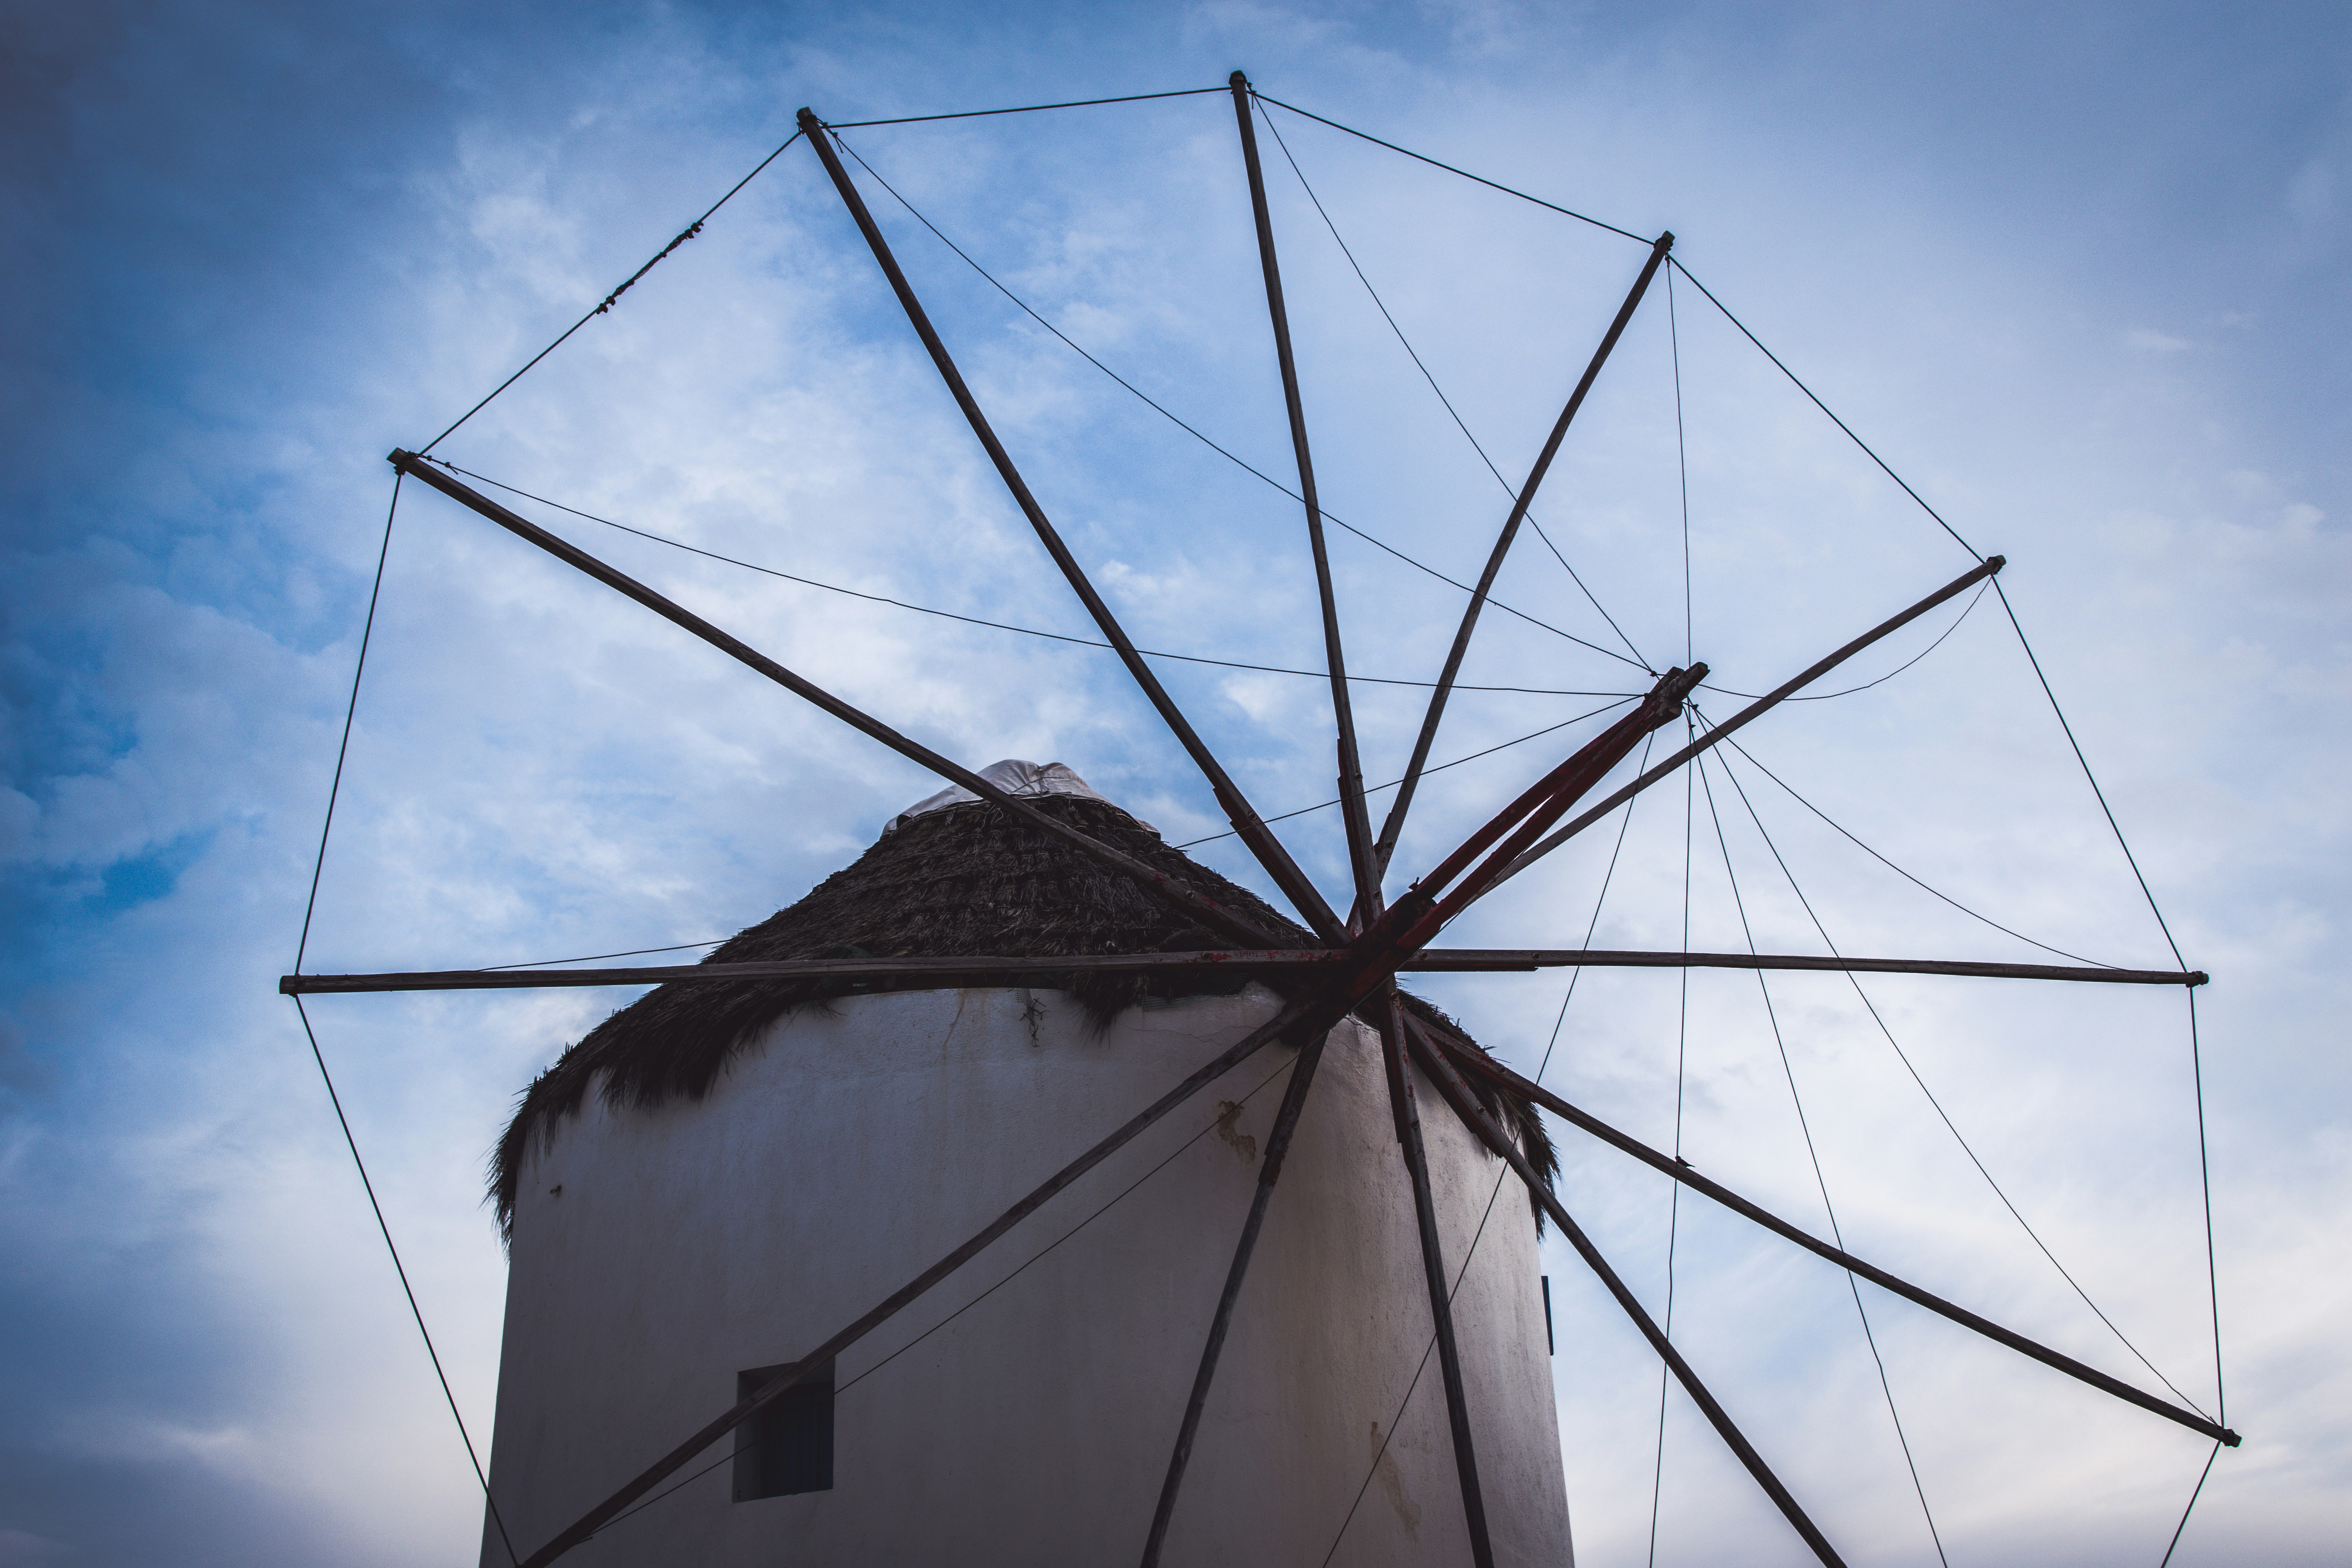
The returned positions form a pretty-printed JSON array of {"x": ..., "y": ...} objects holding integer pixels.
[{"x": 964, "y": 880}]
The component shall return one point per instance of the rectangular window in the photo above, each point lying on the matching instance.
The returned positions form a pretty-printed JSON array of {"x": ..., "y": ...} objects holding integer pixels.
[{"x": 787, "y": 1446}]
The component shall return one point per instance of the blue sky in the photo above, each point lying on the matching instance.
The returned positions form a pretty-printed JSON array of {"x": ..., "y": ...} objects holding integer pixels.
[{"x": 2079, "y": 272}]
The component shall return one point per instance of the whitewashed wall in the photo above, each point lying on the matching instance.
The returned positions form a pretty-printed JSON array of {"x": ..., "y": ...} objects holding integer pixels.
[{"x": 851, "y": 1148}]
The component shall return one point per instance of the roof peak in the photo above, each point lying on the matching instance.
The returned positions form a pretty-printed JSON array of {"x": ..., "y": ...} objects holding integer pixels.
[{"x": 1014, "y": 777}]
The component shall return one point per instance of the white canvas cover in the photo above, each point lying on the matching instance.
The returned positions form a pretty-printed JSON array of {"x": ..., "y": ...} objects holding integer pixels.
[{"x": 1013, "y": 776}]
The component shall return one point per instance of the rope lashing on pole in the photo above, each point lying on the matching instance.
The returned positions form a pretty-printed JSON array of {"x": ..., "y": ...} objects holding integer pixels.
[
  {"x": 607, "y": 304},
  {"x": 614, "y": 298}
]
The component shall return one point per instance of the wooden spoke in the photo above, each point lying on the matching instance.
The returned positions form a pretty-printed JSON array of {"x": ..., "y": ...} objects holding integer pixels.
[
  {"x": 1216, "y": 916},
  {"x": 1476, "y": 1117},
  {"x": 1756, "y": 710},
  {"x": 1479, "y": 1062},
  {"x": 1269, "y": 1171},
  {"x": 1269, "y": 961},
  {"x": 1352, "y": 772},
  {"x": 1402, "y": 1101},
  {"x": 1394, "y": 824},
  {"x": 1246, "y": 822}
]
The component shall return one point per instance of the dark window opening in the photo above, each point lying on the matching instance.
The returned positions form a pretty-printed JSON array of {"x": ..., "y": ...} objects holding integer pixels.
[
  {"x": 787, "y": 1444},
  {"x": 1550, "y": 1346}
]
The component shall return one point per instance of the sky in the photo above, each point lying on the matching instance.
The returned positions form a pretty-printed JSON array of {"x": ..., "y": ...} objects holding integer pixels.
[{"x": 2078, "y": 273}]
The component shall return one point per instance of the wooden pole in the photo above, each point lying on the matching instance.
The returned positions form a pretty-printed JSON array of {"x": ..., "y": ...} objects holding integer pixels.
[
  {"x": 1246, "y": 822},
  {"x": 1216, "y": 916},
  {"x": 1991, "y": 564},
  {"x": 999, "y": 971},
  {"x": 1474, "y": 1116},
  {"x": 1402, "y": 1104},
  {"x": 1352, "y": 772},
  {"x": 1367, "y": 905},
  {"x": 1269, "y": 1171},
  {"x": 1394, "y": 824},
  {"x": 1406, "y": 926},
  {"x": 1466, "y": 1055}
]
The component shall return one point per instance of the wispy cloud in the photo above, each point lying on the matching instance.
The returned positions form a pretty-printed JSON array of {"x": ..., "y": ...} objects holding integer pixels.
[{"x": 260, "y": 246}]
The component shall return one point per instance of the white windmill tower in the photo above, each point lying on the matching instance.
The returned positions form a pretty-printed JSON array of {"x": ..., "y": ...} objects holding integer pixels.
[{"x": 718, "y": 1175}]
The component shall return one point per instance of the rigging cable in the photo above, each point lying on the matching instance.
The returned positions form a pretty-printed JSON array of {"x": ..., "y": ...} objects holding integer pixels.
[
  {"x": 1825, "y": 696},
  {"x": 1898, "y": 870},
  {"x": 309, "y": 908},
  {"x": 1241, "y": 463},
  {"x": 1022, "y": 108},
  {"x": 1450, "y": 169},
  {"x": 1837, "y": 1233},
  {"x": 1904, "y": 1057},
  {"x": 1682, "y": 1016},
  {"x": 1439, "y": 768},
  {"x": 2205, "y": 1165},
  {"x": 1574, "y": 976},
  {"x": 1673, "y": 1189},
  {"x": 976, "y": 621},
  {"x": 1153, "y": 653},
  {"x": 585, "y": 957},
  {"x": 2090, "y": 777},
  {"x": 689, "y": 232},
  {"x": 1824, "y": 407},
  {"x": 1285, "y": 816},
  {"x": 1417, "y": 365},
  {"x": 2174, "y": 1545}
]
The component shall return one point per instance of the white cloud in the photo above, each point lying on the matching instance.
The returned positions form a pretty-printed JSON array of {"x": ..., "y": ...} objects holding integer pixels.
[{"x": 538, "y": 769}]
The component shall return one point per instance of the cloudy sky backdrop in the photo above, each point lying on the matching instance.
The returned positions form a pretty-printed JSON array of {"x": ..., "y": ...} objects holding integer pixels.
[{"x": 2078, "y": 272}]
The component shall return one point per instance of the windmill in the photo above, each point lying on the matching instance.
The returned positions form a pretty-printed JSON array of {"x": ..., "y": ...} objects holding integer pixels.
[{"x": 1338, "y": 966}]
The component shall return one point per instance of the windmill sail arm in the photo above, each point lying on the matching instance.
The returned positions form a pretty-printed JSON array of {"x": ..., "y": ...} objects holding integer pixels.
[
  {"x": 1004, "y": 969},
  {"x": 1483, "y": 1127},
  {"x": 1756, "y": 710},
  {"x": 1479, "y": 1062},
  {"x": 1251, "y": 827},
  {"x": 1352, "y": 772},
  {"x": 1215, "y": 915},
  {"x": 1394, "y": 824}
]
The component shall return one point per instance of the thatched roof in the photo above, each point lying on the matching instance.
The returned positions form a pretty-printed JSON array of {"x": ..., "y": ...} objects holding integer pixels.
[{"x": 964, "y": 879}]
